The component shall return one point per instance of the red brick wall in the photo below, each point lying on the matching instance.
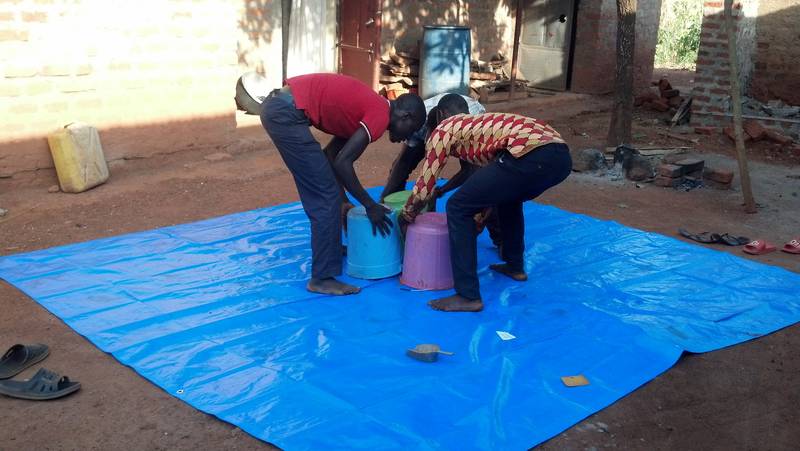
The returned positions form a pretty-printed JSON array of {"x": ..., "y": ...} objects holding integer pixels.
[
  {"x": 777, "y": 60},
  {"x": 594, "y": 63},
  {"x": 153, "y": 78},
  {"x": 760, "y": 64}
]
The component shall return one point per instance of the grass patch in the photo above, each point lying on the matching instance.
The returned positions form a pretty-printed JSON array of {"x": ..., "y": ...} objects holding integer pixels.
[{"x": 679, "y": 34}]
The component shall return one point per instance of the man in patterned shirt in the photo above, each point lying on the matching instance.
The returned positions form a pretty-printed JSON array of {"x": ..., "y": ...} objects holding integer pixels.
[
  {"x": 521, "y": 157},
  {"x": 413, "y": 150}
]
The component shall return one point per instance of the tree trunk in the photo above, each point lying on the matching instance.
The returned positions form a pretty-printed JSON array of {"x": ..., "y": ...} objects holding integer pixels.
[
  {"x": 736, "y": 100},
  {"x": 619, "y": 132},
  {"x": 515, "y": 56}
]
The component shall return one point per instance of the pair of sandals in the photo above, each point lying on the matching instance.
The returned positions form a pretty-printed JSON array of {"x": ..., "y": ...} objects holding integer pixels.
[
  {"x": 44, "y": 385},
  {"x": 761, "y": 247},
  {"x": 711, "y": 238}
]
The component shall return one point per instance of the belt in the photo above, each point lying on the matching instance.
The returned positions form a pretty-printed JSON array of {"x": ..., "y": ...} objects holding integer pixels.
[{"x": 284, "y": 93}]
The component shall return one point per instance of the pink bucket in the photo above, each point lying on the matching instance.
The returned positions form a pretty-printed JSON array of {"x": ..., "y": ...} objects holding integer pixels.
[{"x": 426, "y": 265}]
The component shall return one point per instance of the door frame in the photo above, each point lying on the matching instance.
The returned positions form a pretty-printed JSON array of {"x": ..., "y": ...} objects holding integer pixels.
[{"x": 377, "y": 24}]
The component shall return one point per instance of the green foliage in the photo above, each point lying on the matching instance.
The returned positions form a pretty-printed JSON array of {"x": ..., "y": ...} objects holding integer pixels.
[{"x": 679, "y": 33}]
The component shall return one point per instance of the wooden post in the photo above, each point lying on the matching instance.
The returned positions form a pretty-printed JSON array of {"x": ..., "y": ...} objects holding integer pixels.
[
  {"x": 515, "y": 55},
  {"x": 736, "y": 100}
]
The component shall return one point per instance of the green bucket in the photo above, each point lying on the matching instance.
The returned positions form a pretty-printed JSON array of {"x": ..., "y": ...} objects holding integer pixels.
[{"x": 396, "y": 201}]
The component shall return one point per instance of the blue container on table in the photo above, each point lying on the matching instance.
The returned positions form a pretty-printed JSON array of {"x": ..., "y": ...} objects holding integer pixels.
[
  {"x": 372, "y": 256},
  {"x": 444, "y": 62}
]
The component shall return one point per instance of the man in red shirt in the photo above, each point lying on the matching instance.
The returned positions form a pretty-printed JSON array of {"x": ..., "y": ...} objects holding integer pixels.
[
  {"x": 355, "y": 115},
  {"x": 520, "y": 158}
]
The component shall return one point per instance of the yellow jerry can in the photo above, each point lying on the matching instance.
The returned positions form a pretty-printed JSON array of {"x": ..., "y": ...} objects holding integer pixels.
[{"x": 78, "y": 157}]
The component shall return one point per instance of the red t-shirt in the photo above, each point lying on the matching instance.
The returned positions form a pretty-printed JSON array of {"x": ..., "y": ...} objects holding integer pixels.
[{"x": 339, "y": 105}]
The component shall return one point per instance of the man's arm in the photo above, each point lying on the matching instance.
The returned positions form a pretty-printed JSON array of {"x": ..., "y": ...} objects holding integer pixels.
[
  {"x": 437, "y": 148},
  {"x": 402, "y": 168},
  {"x": 343, "y": 168}
]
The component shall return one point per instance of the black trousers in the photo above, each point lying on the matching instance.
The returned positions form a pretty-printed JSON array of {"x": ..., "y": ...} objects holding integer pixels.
[
  {"x": 505, "y": 183},
  {"x": 313, "y": 175}
]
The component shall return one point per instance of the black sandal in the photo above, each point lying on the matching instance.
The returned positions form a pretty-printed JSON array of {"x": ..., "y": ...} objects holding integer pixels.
[
  {"x": 731, "y": 240},
  {"x": 702, "y": 237},
  {"x": 44, "y": 385},
  {"x": 19, "y": 357}
]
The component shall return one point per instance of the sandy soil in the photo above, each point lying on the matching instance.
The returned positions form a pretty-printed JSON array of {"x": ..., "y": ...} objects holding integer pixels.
[{"x": 744, "y": 397}]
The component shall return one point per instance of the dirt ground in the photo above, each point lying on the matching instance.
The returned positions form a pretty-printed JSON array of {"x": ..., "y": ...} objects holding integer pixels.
[{"x": 744, "y": 397}]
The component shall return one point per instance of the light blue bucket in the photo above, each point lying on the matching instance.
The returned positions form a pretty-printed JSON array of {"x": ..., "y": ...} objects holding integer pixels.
[{"x": 372, "y": 256}]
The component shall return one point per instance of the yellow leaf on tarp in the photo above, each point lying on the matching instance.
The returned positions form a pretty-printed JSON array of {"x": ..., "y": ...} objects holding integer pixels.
[{"x": 575, "y": 381}]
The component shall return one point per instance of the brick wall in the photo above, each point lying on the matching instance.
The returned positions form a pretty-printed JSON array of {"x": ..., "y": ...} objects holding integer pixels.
[
  {"x": 153, "y": 76},
  {"x": 777, "y": 62},
  {"x": 760, "y": 64},
  {"x": 594, "y": 64}
]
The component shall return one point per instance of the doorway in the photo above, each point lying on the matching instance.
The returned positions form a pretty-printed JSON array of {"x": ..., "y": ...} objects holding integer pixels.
[
  {"x": 546, "y": 43},
  {"x": 359, "y": 40}
]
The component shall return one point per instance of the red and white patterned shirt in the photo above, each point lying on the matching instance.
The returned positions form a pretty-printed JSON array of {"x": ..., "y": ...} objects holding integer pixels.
[{"x": 476, "y": 139}]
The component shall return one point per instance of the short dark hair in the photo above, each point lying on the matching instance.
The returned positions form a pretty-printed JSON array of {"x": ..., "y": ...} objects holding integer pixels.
[
  {"x": 413, "y": 104},
  {"x": 451, "y": 104},
  {"x": 432, "y": 121}
]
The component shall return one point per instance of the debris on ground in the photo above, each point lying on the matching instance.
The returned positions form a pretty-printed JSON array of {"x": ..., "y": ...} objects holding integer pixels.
[
  {"x": 773, "y": 108},
  {"x": 662, "y": 97},
  {"x": 3, "y": 212},
  {"x": 53, "y": 189},
  {"x": 588, "y": 160},
  {"x": 635, "y": 166}
]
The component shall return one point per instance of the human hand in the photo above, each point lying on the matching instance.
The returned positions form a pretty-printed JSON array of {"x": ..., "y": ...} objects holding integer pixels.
[{"x": 378, "y": 216}]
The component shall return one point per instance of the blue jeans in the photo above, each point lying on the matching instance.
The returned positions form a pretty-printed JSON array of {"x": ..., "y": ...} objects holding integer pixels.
[
  {"x": 505, "y": 183},
  {"x": 313, "y": 175}
]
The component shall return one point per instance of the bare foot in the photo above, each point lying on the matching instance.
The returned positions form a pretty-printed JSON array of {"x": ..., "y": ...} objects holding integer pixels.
[
  {"x": 506, "y": 270},
  {"x": 331, "y": 286},
  {"x": 456, "y": 303}
]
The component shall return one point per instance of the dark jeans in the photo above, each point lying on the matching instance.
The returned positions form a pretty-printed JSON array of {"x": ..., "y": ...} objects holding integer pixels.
[
  {"x": 314, "y": 177},
  {"x": 506, "y": 183}
]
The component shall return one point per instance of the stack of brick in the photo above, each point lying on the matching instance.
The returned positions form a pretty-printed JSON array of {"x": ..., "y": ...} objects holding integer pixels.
[
  {"x": 672, "y": 174},
  {"x": 661, "y": 98},
  {"x": 754, "y": 131}
]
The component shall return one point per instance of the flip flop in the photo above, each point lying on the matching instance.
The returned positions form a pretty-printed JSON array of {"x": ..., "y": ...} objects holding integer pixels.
[
  {"x": 759, "y": 247},
  {"x": 702, "y": 237},
  {"x": 19, "y": 357},
  {"x": 44, "y": 385},
  {"x": 731, "y": 240},
  {"x": 792, "y": 247}
]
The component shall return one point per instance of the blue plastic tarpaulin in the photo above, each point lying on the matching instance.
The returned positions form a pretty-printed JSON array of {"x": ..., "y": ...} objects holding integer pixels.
[{"x": 216, "y": 313}]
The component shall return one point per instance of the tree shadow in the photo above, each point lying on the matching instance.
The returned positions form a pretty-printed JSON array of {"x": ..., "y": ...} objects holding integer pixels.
[{"x": 257, "y": 21}]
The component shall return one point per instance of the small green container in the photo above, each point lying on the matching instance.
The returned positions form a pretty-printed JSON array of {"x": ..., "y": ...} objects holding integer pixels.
[{"x": 396, "y": 201}]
